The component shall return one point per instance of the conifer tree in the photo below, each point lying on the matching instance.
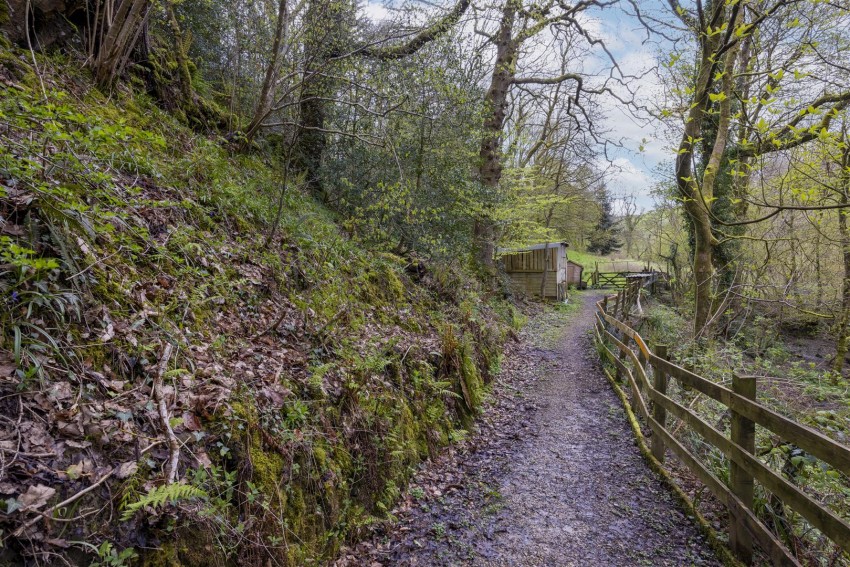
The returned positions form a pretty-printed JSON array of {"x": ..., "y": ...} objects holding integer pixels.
[{"x": 605, "y": 237}]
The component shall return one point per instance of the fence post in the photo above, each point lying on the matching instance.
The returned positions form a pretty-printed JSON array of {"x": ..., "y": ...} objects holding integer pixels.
[
  {"x": 616, "y": 305},
  {"x": 605, "y": 304},
  {"x": 621, "y": 301},
  {"x": 741, "y": 482},
  {"x": 659, "y": 414},
  {"x": 637, "y": 300}
]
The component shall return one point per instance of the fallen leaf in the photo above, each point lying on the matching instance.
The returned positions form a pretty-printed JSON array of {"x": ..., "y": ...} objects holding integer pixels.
[
  {"x": 191, "y": 422},
  {"x": 60, "y": 391},
  {"x": 203, "y": 459},
  {"x": 127, "y": 469},
  {"x": 36, "y": 496},
  {"x": 12, "y": 229},
  {"x": 75, "y": 471},
  {"x": 109, "y": 334}
]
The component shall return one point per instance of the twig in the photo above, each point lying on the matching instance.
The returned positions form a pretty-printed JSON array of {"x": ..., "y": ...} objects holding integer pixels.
[
  {"x": 271, "y": 327},
  {"x": 690, "y": 406},
  {"x": 27, "y": 10},
  {"x": 332, "y": 320},
  {"x": 173, "y": 442}
]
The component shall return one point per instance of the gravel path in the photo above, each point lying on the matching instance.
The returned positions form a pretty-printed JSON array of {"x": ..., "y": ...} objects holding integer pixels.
[{"x": 552, "y": 477}]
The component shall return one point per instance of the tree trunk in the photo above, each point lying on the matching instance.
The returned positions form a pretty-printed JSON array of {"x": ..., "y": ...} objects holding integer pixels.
[
  {"x": 703, "y": 269},
  {"x": 181, "y": 56},
  {"x": 327, "y": 34},
  {"x": 841, "y": 342},
  {"x": 118, "y": 40},
  {"x": 264, "y": 102},
  {"x": 818, "y": 268},
  {"x": 490, "y": 165},
  {"x": 697, "y": 196}
]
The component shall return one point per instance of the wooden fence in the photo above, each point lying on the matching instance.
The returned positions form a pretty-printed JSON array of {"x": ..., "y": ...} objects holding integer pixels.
[
  {"x": 635, "y": 363},
  {"x": 617, "y": 274}
]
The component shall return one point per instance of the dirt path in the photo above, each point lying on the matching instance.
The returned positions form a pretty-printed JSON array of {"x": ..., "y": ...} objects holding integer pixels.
[{"x": 552, "y": 477}]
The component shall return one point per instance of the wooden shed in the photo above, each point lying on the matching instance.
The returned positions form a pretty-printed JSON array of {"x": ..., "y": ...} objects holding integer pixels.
[
  {"x": 527, "y": 268},
  {"x": 574, "y": 273}
]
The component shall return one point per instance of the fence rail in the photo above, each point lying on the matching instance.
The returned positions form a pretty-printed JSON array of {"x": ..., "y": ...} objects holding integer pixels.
[
  {"x": 635, "y": 362},
  {"x": 619, "y": 274}
]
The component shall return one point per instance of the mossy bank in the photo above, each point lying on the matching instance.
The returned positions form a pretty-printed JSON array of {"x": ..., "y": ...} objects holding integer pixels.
[{"x": 310, "y": 374}]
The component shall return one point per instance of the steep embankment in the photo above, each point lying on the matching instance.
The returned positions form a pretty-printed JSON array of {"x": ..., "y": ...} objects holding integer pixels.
[{"x": 154, "y": 327}]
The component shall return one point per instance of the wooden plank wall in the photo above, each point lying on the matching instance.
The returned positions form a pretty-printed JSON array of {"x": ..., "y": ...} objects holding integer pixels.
[
  {"x": 531, "y": 261},
  {"x": 529, "y": 283}
]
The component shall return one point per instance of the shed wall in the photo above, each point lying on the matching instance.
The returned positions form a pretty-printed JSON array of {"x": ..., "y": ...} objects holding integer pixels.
[
  {"x": 525, "y": 269},
  {"x": 574, "y": 273},
  {"x": 529, "y": 283}
]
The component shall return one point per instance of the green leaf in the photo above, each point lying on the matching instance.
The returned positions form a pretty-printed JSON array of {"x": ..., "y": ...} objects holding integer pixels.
[{"x": 743, "y": 30}]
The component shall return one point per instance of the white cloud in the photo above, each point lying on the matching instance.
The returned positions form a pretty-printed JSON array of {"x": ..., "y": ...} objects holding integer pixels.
[
  {"x": 625, "y": 178},
  {"x": 375, "y": 11}
]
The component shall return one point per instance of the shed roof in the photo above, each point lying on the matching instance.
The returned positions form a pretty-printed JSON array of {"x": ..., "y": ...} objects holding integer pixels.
[
  {"x": 575, "y": 263},
  {"x": 531, "y": 247}
]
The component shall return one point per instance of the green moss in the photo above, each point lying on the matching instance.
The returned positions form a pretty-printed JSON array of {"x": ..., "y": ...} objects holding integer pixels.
[
  {"x": 266, "y": 467},
  {"x": 321, "y": 457},
  {"x": 165, "y": 556},
  {"x": 395, "y": 288},
  {"x": 470, "y": 377},
  {"x": 192, "y": 547}
]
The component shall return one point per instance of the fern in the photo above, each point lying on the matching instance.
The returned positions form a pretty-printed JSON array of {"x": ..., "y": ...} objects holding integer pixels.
[
  {"x": 187, "y": 41},
  {"x": 161, "y": 495}
]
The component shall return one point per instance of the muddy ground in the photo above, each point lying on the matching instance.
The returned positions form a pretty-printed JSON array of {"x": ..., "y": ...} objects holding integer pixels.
[{"x": 551, "y": 476}]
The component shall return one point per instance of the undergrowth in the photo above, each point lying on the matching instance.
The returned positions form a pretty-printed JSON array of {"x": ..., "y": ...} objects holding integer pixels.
[{"x": 310, "y": 377}]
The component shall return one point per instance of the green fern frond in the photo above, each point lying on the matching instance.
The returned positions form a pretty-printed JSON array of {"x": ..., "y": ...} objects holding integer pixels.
[
  {"x": 161, "y": 495},
  {"x": 187, "y": 41}
]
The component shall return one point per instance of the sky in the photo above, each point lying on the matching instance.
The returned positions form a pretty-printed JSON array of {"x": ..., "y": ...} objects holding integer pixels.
[
  {"x": 631, "y": 167},
  {"x": 633, "y": 170}
]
